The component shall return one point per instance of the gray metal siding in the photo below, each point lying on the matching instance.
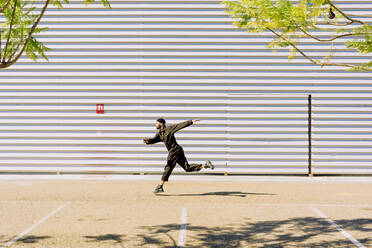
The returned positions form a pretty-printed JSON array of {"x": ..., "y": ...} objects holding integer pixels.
[
  {"x": 267, "y": 133},
  {"x": 179, "y": 60},
  {"x": 342, "y": 134}
]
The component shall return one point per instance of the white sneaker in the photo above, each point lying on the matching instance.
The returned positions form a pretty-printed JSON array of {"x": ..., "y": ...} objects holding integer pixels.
[{"x": 209, "y": 164}]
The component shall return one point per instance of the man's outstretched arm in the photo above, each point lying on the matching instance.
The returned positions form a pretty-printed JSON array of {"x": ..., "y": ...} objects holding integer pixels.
[
  {"x": 183, "y": 124},
  {"x": 152, "y": 140}
]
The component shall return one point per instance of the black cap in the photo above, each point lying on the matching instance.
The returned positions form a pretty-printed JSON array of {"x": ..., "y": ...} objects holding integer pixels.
[{"x": 161, "y": 120}]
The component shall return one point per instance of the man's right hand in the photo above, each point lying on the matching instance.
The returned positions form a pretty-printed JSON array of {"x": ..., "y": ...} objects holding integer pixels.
[{"x": 146, "y": 141}]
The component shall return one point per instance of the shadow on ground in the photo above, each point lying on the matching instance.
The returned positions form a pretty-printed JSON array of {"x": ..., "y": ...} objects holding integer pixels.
[
  {"x": 115, "y": 238},
  {"x": 29, "y": 239},
  {"x": 294, "y": 232},
  {"x": 220, "y": 193}
]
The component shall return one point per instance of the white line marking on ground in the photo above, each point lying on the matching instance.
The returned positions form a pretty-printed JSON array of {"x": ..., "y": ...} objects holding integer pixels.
[
  {"x": 338, "y": 228},
  {"x": 182, "y": 235},
  {"x": 19, "y": 236}
]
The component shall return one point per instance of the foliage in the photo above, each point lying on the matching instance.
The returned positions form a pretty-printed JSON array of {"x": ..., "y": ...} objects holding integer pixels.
[
  {"x": 291, "y": 21},
  {"x": 20, "y": 25}
]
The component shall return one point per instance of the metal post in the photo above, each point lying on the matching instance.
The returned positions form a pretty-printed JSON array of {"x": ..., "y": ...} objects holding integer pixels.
[{"x": 309, "y": 136}]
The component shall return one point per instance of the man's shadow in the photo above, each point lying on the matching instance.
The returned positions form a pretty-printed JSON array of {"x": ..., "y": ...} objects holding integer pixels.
[{"x": 220, "y": 193}]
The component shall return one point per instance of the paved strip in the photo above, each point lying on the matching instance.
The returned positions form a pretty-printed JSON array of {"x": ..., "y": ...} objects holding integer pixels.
[
  {"x": 182, "y": 235},
  {"x": 261, "y": 204},
  {"x": 203, "y": 178},
  {"x": 29, "y": 229},
  {"x": 338, "y": 228}
]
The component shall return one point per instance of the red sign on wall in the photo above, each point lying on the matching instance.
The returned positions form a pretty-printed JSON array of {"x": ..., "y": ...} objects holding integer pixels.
[{"x": 100, "y": 109}]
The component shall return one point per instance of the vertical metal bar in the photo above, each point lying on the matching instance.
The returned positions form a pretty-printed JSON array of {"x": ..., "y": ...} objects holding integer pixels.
[{"x": 309, "y": 135}]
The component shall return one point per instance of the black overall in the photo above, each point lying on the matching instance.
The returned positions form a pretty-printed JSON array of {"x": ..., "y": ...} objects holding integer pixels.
[{"x": 175, "y": 151}]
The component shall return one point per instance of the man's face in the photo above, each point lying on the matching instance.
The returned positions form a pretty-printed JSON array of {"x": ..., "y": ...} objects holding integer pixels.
[{"x": 158, "y": 125}]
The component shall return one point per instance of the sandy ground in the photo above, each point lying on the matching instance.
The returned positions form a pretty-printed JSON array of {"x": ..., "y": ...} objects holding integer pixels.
[{"x": 104, "y": 213}]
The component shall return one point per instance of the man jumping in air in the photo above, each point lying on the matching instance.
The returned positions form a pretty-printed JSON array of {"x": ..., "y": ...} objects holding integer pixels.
[{"x": 175, "y": 151}]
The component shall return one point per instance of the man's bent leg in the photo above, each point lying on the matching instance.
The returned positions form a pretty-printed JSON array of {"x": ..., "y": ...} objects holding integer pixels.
[{"x": 182, "y": 160}]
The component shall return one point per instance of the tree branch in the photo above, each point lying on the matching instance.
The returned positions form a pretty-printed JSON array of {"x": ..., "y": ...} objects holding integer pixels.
[
  {"x": 15, "y": 51},
  {"x": 5, "y": 6},
  {"x": 305, "y": 55},
  {"x": 344, "y": 15},
  {"x": 327, "y": 40},
  {"x": 9, "y": 63},
  {"x": 333, "y": 24},
  {"x": 19, "y": 44},
  {"x": 10, "y": 31}
]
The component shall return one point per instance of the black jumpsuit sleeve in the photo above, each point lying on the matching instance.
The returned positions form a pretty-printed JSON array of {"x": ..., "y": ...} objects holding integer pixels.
[
  {"x": 179, "y": 126},
  {"x": 155, "y": 139}
]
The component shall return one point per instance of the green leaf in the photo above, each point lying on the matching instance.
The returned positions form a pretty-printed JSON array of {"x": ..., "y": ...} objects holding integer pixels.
[
  {"x": 289, "y": 21},
  {"x": 25, "y": 16}
]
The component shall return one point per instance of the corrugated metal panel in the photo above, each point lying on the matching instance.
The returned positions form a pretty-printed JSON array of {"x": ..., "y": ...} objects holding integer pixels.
[
  {"x": 268, "y": 133},
  {"x": 342, "y": 134},
  {"x": 179, "y": 60}
]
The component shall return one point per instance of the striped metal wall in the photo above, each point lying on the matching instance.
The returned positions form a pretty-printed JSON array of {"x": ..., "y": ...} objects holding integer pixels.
[
  {"x": 180, "y": 60},
  {"x": 268, "y": 133}
]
